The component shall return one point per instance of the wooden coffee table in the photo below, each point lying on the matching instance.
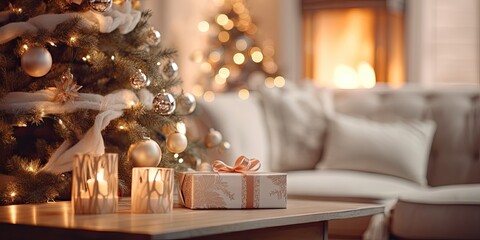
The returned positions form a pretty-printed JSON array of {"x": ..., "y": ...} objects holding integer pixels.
[{"x": 303, "y": 219}]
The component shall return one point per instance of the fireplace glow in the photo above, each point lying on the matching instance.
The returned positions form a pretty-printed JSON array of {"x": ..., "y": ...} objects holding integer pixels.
[
  {"x": 347, "y": 77},
  {"x": 352, "y": 44}
]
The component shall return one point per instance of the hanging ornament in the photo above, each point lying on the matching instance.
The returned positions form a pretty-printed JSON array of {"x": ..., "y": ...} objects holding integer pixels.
[
  {"x": 164, "y": 103},
  {"x": 213, "y": 138},
  {"x": 100, "y": 5},
  {"x": 36, "y": 61},
  {"x": 153, "y": 37},
  {"x": 170, "y": 70},
  {"x": 224, "y": 146},
  {"x": 139, "y": 80},
  {"x": 145, "y": 153},
  {"x": 66, "y": 89},
  {"x": 176, "y": 142},
  {"x": 186, "y": 104}
]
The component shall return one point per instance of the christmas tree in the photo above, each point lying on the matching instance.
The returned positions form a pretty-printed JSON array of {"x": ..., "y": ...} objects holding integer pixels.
[
  {"x": 81, "y": 76},
  {"x": 234, "y": 56}
]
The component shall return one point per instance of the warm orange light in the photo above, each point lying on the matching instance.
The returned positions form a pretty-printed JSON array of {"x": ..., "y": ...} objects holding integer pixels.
[
  {"x": 224, "y": 72},
  {"x": 366, "y": 75},
  {"x": 203, "y": 26},
  {"x": 346, "y": 77},
  {"x": 269, "y": 82},
  {"x": 222, "y": 19},
  {"x": 229, "y": 25},
  {"x": 220, "y": 80},
  {"x": 209, "y": 96},
  {"x": 279, "y": 82},
  {"x": 238, "y": 7},
  {"x": 214, "y": 56},
  {"x": 239, "y": 58},
  {"x": 344, "y": 40},
  {"x": 223, "y": 36},
  {"x": 243, "y": 94},
  {"x": 256, "y": 54},
  {"x": 206, "y": 67}
]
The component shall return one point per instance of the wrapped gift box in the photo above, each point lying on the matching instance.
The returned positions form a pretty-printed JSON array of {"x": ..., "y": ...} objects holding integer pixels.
[{"x": 209, "y": 190}]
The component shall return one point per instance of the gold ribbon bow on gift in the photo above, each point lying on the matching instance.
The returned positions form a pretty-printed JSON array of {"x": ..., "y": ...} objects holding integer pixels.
[{"x": 242, "y": 165}]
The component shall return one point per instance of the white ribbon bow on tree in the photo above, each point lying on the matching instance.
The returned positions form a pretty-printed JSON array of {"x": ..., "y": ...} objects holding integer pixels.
[
  {"x": 110, "y": 106},
  {"x": 122, "y": 17}
]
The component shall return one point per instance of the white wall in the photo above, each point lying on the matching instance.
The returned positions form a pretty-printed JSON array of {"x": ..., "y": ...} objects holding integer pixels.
[
  {"x": 443, "y": 42},
  {"x": 177, "y": 21}
]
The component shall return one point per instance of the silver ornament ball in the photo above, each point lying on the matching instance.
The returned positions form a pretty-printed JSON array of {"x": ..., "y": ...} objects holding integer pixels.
[
  {"x": 170, "y": 70},
  {"x": 36, "y": 61},
  {"x": 176, "y": 142},
  {"x": 213, "y": 138},
  {"x": 164, "y": 103},
  {"x": 186, "y": 104},
  {"x": 145, "y": 153},
  {"x": 153, "y": 37},
  {"x": 100, "y": 5},
  {"x": 139, "y": 80}
]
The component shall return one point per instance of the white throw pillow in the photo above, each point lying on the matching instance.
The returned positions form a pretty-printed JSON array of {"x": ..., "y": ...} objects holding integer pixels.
[
  {"x": 242, "y": 124},
  {"x": 296, "y": 121},
  {"x": 398, "y": 149}
]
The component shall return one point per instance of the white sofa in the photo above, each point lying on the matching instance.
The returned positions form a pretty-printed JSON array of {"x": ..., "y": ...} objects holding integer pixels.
[{"x": 413, "y": 149}]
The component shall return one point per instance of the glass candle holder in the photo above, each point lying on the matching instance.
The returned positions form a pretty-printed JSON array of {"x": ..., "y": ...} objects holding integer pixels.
[
  {"x": 95, "y": 183},
  {"x": 152, "y": 190}
]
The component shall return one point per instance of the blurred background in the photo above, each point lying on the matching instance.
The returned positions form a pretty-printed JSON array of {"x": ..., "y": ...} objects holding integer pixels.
[{"x": 336, "y": 43}]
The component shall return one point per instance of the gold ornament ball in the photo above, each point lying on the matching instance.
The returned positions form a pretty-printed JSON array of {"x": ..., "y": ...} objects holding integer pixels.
[
  {"x": 213, "y": 138},
  {"x": 100, "y": 5},
  {"x": 186, "y": 104},
  {"x": 176, "y": 142},
  {"x": 37, "y": 61},
  {"x": 145, "y": 153}
]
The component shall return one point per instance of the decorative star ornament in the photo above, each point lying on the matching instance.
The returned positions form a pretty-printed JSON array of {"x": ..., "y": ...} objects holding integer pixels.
[{"x": 66, "y": 90}]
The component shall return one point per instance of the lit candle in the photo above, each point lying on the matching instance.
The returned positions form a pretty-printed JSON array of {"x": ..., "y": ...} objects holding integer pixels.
[
  {"x": 102, "y": 184},
  {"x": 152, "y": 190},
  {"x": 94, "y": 188},
  {"x": 155, "y": 183}
]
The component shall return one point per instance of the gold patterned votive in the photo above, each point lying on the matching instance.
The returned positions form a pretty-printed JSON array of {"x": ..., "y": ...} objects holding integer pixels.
[
  {"x": 95, "y": 183},
  {"x": 152, "y": 190}
]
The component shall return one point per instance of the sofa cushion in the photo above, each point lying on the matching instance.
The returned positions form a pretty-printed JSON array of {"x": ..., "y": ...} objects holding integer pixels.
[
  {"x": 347, "y": 184},
  {"x": 399, "y": 148},
  {"x": 296, "y": 121},
  {"x": 449, "y": 212},
  {"x": 242, "y": 124},
  {"x": 455, "y": 153}
]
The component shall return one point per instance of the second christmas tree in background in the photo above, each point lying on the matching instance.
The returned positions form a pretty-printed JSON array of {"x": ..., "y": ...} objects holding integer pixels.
[{"x": 235, "y": 59}]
